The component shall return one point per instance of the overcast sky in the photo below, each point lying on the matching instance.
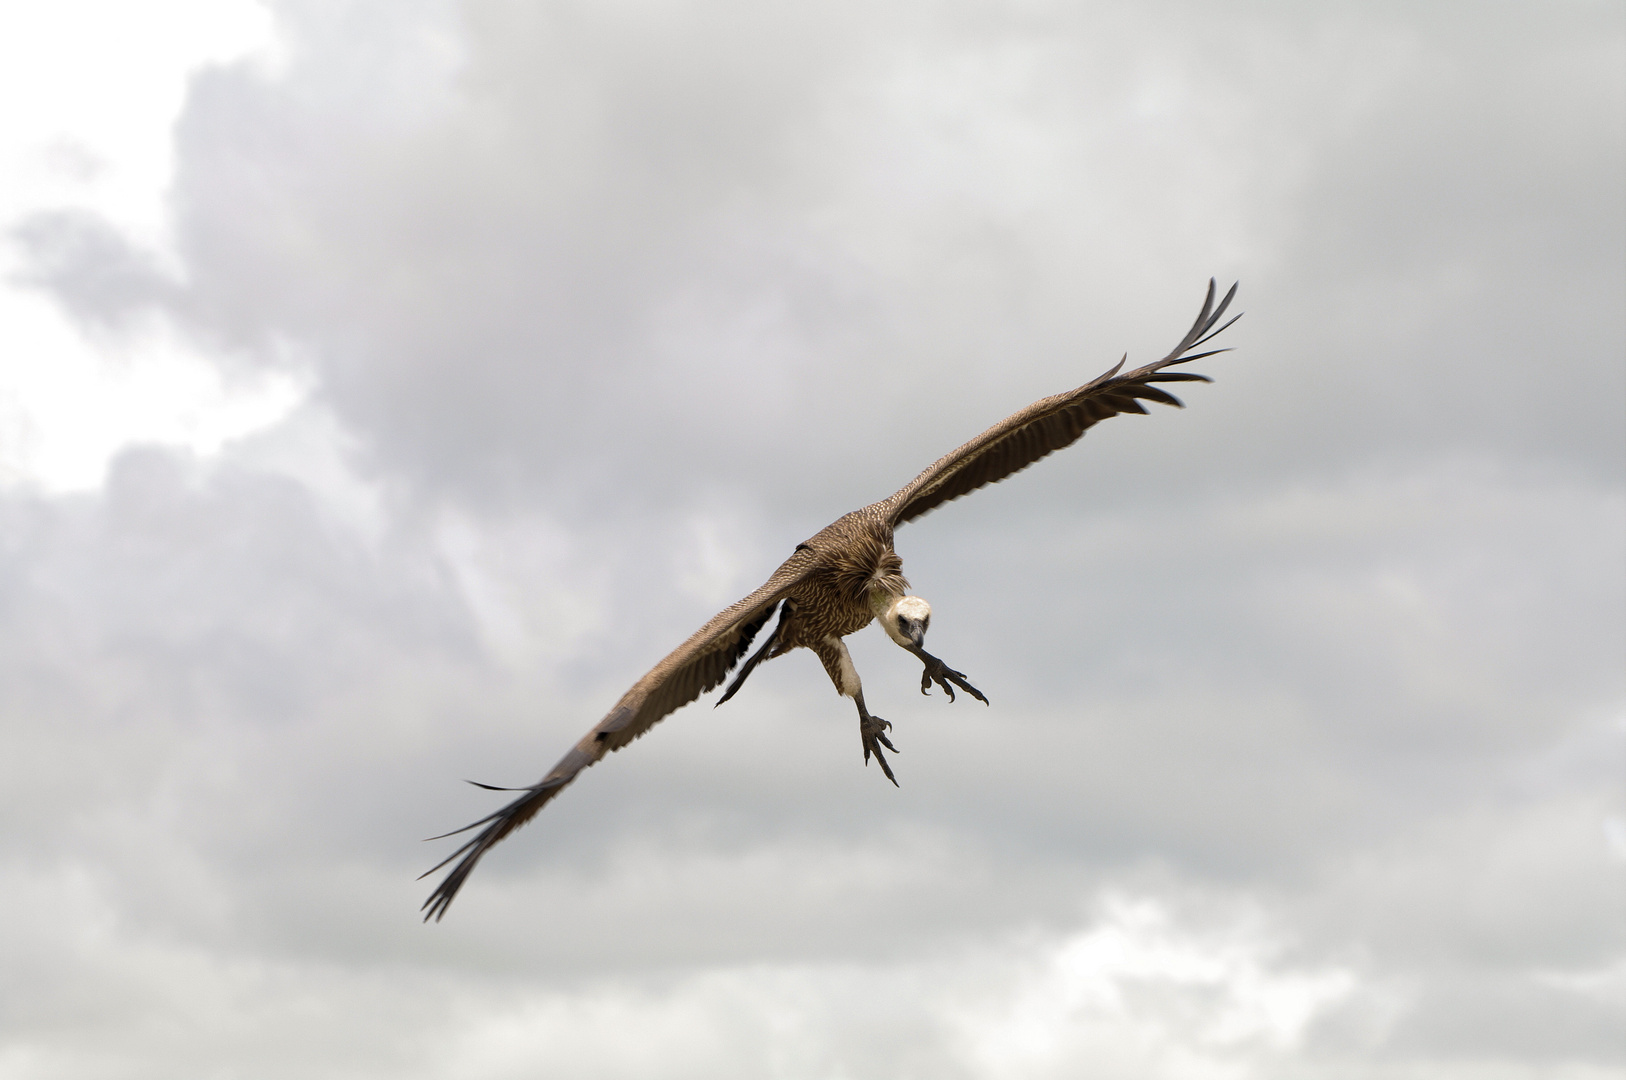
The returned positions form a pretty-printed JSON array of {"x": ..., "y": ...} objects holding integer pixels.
[{"x": 385, "y": 386}]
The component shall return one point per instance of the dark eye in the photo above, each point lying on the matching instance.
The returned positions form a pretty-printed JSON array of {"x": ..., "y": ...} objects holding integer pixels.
[
  {"x": 903, "y": 625},
  {"x": 926, "y": 624}
]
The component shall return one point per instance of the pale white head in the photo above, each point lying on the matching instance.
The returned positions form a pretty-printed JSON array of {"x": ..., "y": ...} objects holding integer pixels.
[{"x": 906, "y": 619}]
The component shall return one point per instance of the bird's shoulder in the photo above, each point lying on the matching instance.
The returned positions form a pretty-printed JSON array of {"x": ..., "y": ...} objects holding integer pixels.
[{"x": 866, "y": 525}]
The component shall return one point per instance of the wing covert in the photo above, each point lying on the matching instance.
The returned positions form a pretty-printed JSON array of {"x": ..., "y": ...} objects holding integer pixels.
[
  {"x": 698, "y": 665},
  {"x": 1052, "y": 423}
]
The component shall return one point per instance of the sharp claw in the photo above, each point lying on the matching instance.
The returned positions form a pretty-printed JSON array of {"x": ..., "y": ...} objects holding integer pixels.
[
  {"x": 973, "y": 691},
  {"x": 873, "y": 730},
  {"x": 948, "y": 679},
  {"x": 885, "y": 768}
]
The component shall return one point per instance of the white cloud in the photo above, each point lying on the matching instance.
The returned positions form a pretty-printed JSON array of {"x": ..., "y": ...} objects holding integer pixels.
[
  {"x": 89, "y": 93},
  {"x": 70, "y": 402},
  {"x": 1138, "y": 993}
]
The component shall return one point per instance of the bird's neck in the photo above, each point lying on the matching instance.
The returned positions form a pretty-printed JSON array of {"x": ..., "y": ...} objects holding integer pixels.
[
  {"x": 886, "y": 591},
  {"x": 865, "y": 567}
]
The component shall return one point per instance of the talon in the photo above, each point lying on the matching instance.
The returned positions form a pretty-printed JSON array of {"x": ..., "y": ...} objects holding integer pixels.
[
  {"x": 946, "y": 677},
  {"x": 873, "y": 731}
]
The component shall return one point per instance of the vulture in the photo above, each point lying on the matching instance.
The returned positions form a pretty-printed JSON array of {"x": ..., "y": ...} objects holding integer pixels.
[{"x": 837, "y": 582}]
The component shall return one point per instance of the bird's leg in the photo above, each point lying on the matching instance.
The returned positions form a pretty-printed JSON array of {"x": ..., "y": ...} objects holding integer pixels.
[
  {"x": 943, "y": 675},
  {"x": 872, "y": 729},
  {"x": 838, "y": 662}
]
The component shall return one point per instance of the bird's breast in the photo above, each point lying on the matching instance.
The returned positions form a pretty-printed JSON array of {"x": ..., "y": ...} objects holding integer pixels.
[{"x": 819, "y": 613}]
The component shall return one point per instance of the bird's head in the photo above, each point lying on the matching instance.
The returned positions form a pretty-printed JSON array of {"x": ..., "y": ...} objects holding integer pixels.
[{"x": 906, "y": 619}]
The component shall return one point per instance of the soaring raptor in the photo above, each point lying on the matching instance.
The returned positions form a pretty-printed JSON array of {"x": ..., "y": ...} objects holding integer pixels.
[{"x": 837, "y": 582}]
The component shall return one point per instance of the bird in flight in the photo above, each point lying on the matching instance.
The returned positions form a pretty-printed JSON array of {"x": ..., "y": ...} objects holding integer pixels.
[{"x": 836, "y": 583}]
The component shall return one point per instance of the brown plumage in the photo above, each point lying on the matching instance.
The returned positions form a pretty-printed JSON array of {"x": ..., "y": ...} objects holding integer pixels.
[{"x": 837, "y": 582}]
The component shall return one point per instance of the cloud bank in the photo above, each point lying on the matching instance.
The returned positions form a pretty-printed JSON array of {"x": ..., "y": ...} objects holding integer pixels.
[{"x": 1307, "y": 729}]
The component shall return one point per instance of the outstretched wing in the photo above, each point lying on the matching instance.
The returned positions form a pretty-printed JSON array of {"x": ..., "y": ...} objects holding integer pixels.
[
  {"x": 694, "y": 667},
  {"x": 1054, "y": 422}
]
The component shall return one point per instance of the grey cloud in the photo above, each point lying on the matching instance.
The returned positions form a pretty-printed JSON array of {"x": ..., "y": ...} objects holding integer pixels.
[
  {"x": 90, "y": 268},
  {"x": 597, "y": 233}
]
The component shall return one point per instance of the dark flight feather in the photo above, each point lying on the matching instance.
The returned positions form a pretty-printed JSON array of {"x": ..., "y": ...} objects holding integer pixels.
[{"x": 1052, "y": 423}]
